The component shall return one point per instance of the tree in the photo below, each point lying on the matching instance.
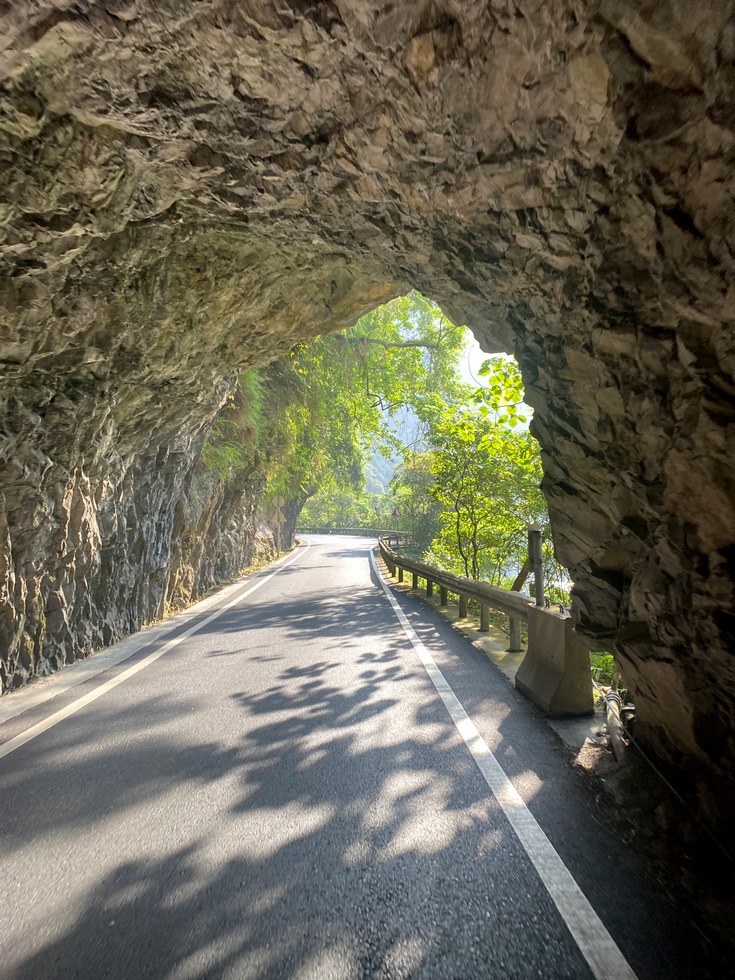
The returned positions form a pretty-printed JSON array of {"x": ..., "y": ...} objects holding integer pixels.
[
  {"x": 327, "y": 406},
  {"x": 336, "y": 506},
  {"x": 411, "y": 492},
  {"x": 486, "y": 478},
  {"x": 353, "y": 384},
  {"x": 486, "y": 472}
]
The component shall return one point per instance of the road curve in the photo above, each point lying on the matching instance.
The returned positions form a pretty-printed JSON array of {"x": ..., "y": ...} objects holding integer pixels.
[{"x": 288, "y": 782}]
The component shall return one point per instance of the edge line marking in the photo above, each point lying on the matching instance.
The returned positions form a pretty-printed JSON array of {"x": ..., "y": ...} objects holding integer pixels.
[
  {"x": 595, "y": 943},
  {"x": 98, "y": 661},
  {"x": 43, "y": 726}
]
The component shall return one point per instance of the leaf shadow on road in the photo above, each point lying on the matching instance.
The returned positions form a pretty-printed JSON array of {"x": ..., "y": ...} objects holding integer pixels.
[
  {"x": 348, "y": 834},
  {"x": 331, "y": 823}
]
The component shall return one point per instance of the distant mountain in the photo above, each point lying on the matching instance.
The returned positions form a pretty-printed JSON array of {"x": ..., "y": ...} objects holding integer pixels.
[
  {"x": 406, "y": 428},
  {"x": 378, "y": 473}
]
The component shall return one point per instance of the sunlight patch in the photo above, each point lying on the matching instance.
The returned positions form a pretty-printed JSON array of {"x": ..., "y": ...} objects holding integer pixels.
[
  {"x": 286, "y": 825},
  {"x": 415, "y": 807},
  {"x": 405, "y": 957},
  {"x": 334, "y": 962}
]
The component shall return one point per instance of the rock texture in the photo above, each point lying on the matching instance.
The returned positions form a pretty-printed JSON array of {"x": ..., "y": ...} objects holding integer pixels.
[{"x": 191, "y": 186}]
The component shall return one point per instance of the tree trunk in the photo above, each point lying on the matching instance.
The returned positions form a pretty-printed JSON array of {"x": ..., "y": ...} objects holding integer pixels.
[{"x": 521, "y": 577}]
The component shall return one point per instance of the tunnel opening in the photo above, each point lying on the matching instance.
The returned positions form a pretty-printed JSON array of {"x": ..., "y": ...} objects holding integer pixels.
[{"x": 421, "y": 389}]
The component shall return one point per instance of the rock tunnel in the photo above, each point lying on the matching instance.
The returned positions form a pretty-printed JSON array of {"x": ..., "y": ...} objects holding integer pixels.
[{"x": 189, "y": 187}]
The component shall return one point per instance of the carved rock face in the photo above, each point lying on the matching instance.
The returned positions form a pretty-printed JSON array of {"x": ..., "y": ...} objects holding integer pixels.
[{"x": 190, "y": 188}]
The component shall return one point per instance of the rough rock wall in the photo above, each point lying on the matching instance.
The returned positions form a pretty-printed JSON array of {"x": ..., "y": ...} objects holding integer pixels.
[
  {"x": 190, "y": 187},
  {"x": 216, "y": 532}
]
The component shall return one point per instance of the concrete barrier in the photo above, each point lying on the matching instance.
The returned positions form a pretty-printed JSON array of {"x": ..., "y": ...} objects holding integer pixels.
[{"x": 555, "y": 673}]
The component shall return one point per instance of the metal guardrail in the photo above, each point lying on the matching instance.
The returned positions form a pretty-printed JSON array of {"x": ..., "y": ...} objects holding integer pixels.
[
  {"x": 513, "y": 604},
  {"x": 555, "y": 672},
  {"x": 363, "y": 532}
]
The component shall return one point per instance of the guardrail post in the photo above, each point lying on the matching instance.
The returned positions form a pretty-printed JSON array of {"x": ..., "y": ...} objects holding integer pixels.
[
  {"x": 415, "y": 580},
  {"x": 515, "y": 636},
  {"x": 429, "y": 587},
  {"x": 400, "y": 574},
  {"x": 442, "y": 596},
  {"x": 535, "y": 557},
  {"x": 484, "y": 617}
]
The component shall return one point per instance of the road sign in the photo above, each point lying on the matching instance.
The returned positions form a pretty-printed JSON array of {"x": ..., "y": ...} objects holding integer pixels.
[{"x": 276, "y": 515}]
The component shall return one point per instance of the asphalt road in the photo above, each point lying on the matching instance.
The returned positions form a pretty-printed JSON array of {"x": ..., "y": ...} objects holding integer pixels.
[{"x": 283, "y": 783}]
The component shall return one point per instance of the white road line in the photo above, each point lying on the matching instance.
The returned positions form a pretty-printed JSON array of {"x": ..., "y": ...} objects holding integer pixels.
[
  {"x": 45, "y": 688},
  {"x": 43, "y": 726},
  {"x": 595, "y": 943}
]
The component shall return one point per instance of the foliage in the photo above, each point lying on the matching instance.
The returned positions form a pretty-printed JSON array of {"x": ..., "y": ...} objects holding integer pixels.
[
  {"x": 334, "y": 506},
  {"x": 502, "y": 396},
  {"x": 405, "y": 350},
  {"x": 231, "y": 442},
  {"x": 313, "y": 417},
  {"x": 486, "y": 478},
  {"x": 482, "y": 472},
  {"x": 355, "y": 382},
  {"x": 603, "y": 667},
  {"x": 420, "y": 511},
  {"x": 467, "y": 486}
]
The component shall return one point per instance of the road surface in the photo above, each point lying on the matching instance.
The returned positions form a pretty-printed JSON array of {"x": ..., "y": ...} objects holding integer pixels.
[{"x": 300, "y": 778}]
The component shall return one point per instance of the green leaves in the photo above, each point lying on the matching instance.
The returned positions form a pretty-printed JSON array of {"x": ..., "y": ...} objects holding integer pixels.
[
  {"x": 467, "y": 487},
  {"x": 502, "y": 396},
  {"x": 331, "y": 401},
  {"x": 231, "y": 443},
  {"x": 485, "y": 481}
]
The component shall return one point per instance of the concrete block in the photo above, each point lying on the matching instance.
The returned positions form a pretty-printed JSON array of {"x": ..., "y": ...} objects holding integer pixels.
[{"x": 555, "y": 673}]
